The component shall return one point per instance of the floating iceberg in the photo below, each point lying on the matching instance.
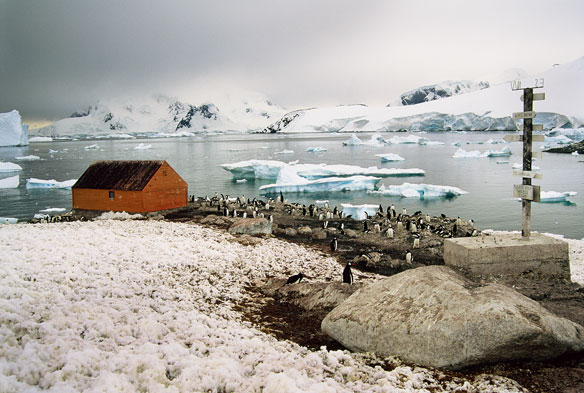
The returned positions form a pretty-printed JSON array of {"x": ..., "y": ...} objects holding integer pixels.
[
  {"x": 328, "y": 184},
  {"x": 520, "y": 166},
  {"x": 408, "y": 190},
  {"x": 142, "y": 146},
  {"x": 554, "y": 196},
  {"x": 27, "y": 158},
  {"x": 10, "y": 182},
  {"x": 401, "y": 140},
  {"x": 255, "y": 169},
  {"x": 40, "y": 139},
  {"x": 285, "y": 152},
  {"x": 39, "y": 183},
  {"x": 389, "y": 157},
  {"x": 353, "y": 141},
  {"x": 576, "y": 134},
  {"x": 457, "y": 143},
  {"x": 495, "y": 141},
  {"x": 316, "y": 149},
  {"x": 53, "y": 210},
  {"x": 559, "y": 139},
  {"x": 12, "y": 131},
  {"x": 8, "y": 220},
  {"x": 461, "y": 153},
  {"x": 9, "y": 167},
  {"x": 426, "y": 142},
  {"x": 575, "y": 153},
  {"x": 376, "y": 140},
  {"x": 359, "y": 212},
  {"x": 92, "y": 147}
]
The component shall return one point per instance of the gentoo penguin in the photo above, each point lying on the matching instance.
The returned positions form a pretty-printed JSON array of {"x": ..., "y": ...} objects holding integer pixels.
[
  {"x": 409, "y": 257},
  {"x": 295, "y": 278},
  {"x": 417, "y": 242},
  {"x": 408, "y": 225},
  {"x": 376, "y": 228},
  {"x": 271, "y": 218},
  {"x": 234, "y": 212},
  {"x": 454, "y": 230},
  {"x": 404, "y": 211},
  {"x": 226, "y": 211},
  {"x": 389, "y": 232},
  {"x": 244, "y": 215},
  {"x": 458, "y": 221},
  {"x": 471, "y": 223},
  {"x": 334, "y": 244},
  {"x": 413, "y": 227},
  {"x": 365, "y": 226},
  {"x": 348, "y": 274},
  {"x": 325, "y": 224}
]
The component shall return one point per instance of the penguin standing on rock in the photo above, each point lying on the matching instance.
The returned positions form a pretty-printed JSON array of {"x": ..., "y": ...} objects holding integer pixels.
[
  {"x": 334, "y": 244},
  {"x": 348, "y": 274},
  {"x": 409, "y": 257},
  {"x": 295, "y": 278}
]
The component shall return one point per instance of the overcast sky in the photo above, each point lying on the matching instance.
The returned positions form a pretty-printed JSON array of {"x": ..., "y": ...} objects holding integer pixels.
[{"x": 58, "y": 56}]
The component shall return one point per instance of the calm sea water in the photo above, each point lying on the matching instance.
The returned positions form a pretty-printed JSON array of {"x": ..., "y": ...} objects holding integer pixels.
[{"x": 489, "y": 200}]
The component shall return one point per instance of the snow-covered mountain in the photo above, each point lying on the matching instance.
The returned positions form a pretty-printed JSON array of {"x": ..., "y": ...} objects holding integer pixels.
[
  {"x": 164, "y": 115},
  {"x": 484, "y": 109},
  {"x": 440, "y": 90}
]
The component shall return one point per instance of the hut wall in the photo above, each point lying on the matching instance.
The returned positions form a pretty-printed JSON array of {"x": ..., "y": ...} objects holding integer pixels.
[{"x": 92, "y": 199}]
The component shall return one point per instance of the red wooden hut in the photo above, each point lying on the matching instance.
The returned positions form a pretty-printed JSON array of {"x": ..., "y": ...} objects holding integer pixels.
[{"x": 131, "y": 186}]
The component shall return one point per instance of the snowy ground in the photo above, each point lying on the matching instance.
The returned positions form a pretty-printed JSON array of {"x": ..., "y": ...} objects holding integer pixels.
[{"x": 125, "y": 306}]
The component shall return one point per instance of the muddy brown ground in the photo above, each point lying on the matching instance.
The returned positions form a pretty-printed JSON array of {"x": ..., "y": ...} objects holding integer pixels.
[{"x": 373, "y": 252}]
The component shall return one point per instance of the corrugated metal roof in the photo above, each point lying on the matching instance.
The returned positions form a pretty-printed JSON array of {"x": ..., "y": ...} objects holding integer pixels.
[{"x": 118, "y": 175}]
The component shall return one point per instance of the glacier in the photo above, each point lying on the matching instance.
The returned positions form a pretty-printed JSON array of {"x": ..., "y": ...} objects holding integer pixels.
[
  {"x": 421, "y": 191},
  {"x": 10, "y": 182},
  {"x": 440, "y": 90},
  {"x": 44, "y": 184},
  {"x": 359, "y": 212},
  {"x": 12, "y": 131},
  {"x": 9, "y": 167}
]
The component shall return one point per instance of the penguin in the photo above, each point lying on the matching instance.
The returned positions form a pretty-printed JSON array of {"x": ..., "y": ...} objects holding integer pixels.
[
  {"x": 443, "y": 216},
  {"x": 458, "y": 221},
  {"x": 348, "y": 274},
  {"x": 413, "y": 227},
  {"x": 409, "y": 257},
  {"x": 408, "y": 225},
  {"x": 234, "y": 212},
  {"x": 244, "y": 215},
  {"x": 417, "y": 242},
  {"x": 365, "y": 226},
  {"x": 281, "y": 197},
  {"x": 394, "y": 213},
  {"x": 271, "y": 218},
  {"x": 380, "y": 208},
  {"x": 341, "y": 226},
  {"x": 454, "y": 230},
  {"x": 325, "y": 224},
  {"x": 376, "y": 228},
  {"x": 304, "y": 211},
  {"x": 334, "y": 244},
  {"x": 295, "y": 278},
  {"x": 400, "y": 225},
  {"x": 404, "y": 211},
  {"x": 226, "y": 211},
  {"x": 335, "y": 211},
  {"x": 471, "y": 223},
  {"x": 389, "y": 232}
]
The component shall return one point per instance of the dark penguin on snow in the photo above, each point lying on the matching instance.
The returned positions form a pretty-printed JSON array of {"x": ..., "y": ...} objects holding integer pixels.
[
  {"x": 348, "y": 274},
  {"x": 334, "y": 244},
  {"x": 295, "y": 278}
]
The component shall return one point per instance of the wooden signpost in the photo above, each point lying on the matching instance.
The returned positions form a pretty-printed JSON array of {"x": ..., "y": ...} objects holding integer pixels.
[{"x": 526, "y": 191}]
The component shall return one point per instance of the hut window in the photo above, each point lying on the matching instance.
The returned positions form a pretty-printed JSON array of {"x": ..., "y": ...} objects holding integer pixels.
[{"x": 111, "y": 195}]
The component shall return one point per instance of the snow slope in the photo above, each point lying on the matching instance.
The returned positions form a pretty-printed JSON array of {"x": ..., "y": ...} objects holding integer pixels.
[
  {"x": 486, "y": 109},
  {"x": 12, "y": 131},
  {"x": 440, "y": 90},
  {"x": 168, "y": 116},
  {"x": 127, "y": 306}
]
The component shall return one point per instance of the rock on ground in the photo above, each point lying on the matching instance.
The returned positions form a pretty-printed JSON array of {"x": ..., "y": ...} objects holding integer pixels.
[
  {"x": 251, "y": 226},
  {"x": 435, "y": 317}
]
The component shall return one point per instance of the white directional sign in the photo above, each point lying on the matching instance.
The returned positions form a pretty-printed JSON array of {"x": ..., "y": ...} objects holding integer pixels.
[
  {"x": 536, "y": 97},
  {"x": 519, "y": 138},
  {"x": 535, "y": 127},
  {"x": 528, "y": 174},
  {"x": 524, "y": 115},
  {"x": 530, "y": 193}
]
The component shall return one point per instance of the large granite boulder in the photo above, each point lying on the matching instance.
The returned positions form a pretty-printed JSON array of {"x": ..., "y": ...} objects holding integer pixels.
[
  {"x": 435, "y": 317},
  {"x": 251, "y": 226}
]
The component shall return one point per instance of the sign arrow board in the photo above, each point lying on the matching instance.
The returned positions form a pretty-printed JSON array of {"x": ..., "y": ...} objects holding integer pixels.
[
  {"x": 523, "y": 191},
  {"x": 519, "y": 138},
  {"x": 524, "y": 115},
  {"x": 536, "y": 127},
  {"x": 536, "y": 97},
  {"x": 528, "y": 174}
]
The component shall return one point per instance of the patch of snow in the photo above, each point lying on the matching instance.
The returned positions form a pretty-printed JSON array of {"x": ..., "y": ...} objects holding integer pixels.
[
  {"x": 9, "y": 167},
  {"x": 558, "y": 139},
  {"x": 421, "y": 191},
  {"x": 241, "y": 180},
  {"x": 42, "y": 184},
  {"x": 10, "y": 182}
]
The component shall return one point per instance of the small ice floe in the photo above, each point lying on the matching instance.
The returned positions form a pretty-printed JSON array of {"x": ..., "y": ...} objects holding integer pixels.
[
  {"x": 554, "y": 196},
  {"x": 41, "y": 184},
  {"x": 426, "y": 142},
  {"x": 316, "y": 149},
  {"x": 575, "y": 153},
  {"x": 53, "y": 210},
  {"x": 389, "y": 157},
  {"x": 461, "y": 153},
  {"x": 241, "y": 181},
  {"x": 40, "y": 139},
  {"x": 27, "y": 158},
  {"x": 421, "y": 191},
  {"x": 520, "y": 166},
  {"x": 9, "y": 167},
  {"x": 51, "y": 151},
  {"x": 10, "y": 182},
  {"x": 142, "y": 146},
  {"x": 376, "y": 140},
  {"x": 495, "y": 141},
  {"x": 502, "y": 162},
  {"x": 359, "y": 212},
  {"x": 457, "y": 143},
  {"x": 285, "y": 152},
  {"x": 8, "y": 220},
  {"x": 405, "y": 140},
  {"x": 92, "y": 147}
]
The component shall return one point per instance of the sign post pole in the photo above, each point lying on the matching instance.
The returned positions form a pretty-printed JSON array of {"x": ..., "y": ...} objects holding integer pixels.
[{"x": 527, "y": 158}]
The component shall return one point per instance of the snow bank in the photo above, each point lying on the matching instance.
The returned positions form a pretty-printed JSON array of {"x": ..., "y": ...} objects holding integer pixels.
[
  {"x": 41, "y": 184},
  {"x": 12, "y": 131},
  {"x": 9, "y": 167},
  {"x": 359, "y": 212},
  {"x": 421, "y": 191},
  {"x": 389, "y": 157},
  {"x": 555, "y": 196},
  {"x": 10, "y": 182}
]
